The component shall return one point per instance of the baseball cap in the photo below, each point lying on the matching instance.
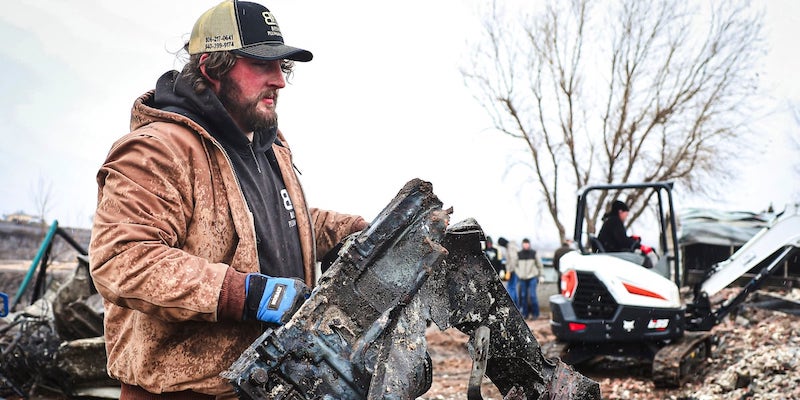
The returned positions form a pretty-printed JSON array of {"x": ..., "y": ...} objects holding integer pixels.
[{"x": 248, "y": 29}]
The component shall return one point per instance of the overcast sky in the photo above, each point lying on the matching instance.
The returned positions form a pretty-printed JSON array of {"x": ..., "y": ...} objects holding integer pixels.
[{"x": 381, "y": 103}]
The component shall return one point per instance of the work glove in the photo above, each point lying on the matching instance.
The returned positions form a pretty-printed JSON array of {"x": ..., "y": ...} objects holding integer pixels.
[
  {"x": 271, "y": 299},
  {"x": 636, "y": 238},
  {"x": 646, "y": 249}
]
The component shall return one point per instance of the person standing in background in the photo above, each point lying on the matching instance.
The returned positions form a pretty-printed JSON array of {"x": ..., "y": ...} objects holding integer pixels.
[
  {"x": 511, "y": 249},
  {"x": 530, "y": 271},
  {"x": 566, "y": 247},
  {"x": 494, "y": 255}
]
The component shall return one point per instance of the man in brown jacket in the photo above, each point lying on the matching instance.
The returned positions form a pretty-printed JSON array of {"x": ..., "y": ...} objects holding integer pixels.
[{"x": 202, "y": 233}]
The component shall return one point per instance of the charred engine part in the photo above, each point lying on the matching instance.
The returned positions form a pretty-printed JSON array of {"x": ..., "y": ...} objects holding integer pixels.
[
  {"x": 331, "y": 346},
  {"x": 361, "y": 334},
  {"x": 480, "y": 344},
  {"x": 467, "y": 294}
]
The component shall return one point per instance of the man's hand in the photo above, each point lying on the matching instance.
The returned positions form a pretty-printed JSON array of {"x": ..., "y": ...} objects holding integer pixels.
[
  {"x": 271, "y": 299},
  {"x": 646, "y": 249}
]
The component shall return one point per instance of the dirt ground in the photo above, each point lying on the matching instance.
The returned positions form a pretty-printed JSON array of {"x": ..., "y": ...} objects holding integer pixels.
[{"x": 755, "y": 358}]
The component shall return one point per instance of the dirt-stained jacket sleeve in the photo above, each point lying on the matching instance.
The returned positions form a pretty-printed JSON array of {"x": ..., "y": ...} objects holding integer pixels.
[
  {"x": 145, "y": 252},
  {"x": 331, "y": 227}
]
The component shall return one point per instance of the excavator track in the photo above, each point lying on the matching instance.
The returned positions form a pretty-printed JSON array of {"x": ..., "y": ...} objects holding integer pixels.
[{"x": 674, "y": 363}]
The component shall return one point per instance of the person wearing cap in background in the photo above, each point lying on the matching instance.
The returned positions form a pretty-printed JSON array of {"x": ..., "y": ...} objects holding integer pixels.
[
  {"x": 613, "y": 234},
  {"x": 202, "y": 237}
]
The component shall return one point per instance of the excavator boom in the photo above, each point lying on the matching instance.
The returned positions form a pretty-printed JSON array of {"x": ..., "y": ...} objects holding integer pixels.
[
  {"x": 770, "y": 247},
  {"x": 780, "y": 234}
]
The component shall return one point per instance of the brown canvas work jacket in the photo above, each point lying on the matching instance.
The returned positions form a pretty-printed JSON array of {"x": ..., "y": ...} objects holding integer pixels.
[{"x": 171, "y": 223}]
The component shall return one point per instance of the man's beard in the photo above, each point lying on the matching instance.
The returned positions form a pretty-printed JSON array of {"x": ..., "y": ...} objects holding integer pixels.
[{"x": 245, "y": 112}]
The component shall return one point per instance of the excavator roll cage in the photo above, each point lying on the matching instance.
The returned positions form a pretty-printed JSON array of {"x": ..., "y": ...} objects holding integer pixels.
[{"x": 666, "y": 223}]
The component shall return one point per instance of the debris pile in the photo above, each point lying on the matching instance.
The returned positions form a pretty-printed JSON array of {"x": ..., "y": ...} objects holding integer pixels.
[
  {"x": 755, "y": 358},
  {"x": 27, "y": 345},
  {"x": 54, "y": 347}
]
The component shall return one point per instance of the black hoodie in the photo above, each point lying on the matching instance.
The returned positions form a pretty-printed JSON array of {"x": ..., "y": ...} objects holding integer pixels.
[{"x": 256, "y": 169}]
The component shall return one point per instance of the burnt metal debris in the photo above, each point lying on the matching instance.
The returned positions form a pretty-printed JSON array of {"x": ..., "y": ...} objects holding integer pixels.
[
  {"x": 361, "y": 334},
  {"x": 55, "y": 345}
]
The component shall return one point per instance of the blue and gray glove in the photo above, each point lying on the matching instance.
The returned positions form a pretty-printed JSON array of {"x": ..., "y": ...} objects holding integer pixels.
[{"x": 271, "y": 299}]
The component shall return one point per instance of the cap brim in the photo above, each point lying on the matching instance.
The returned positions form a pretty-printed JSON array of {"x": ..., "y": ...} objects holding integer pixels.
[{"x": 275, "y": 52}]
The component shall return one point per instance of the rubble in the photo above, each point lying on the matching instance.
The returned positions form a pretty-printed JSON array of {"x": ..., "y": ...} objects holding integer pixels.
[{"x": 755, "y": 358}]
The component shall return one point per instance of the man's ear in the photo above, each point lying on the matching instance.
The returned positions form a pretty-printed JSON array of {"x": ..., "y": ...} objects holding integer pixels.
[{"x": 213, "y": 82}]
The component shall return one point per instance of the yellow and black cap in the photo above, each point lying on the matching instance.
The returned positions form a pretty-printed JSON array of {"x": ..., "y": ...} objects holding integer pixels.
[{"x": 246, "y": 28}]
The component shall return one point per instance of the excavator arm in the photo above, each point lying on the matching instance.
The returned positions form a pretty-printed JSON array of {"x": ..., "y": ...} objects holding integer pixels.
[{"x": 775, "y": 243}]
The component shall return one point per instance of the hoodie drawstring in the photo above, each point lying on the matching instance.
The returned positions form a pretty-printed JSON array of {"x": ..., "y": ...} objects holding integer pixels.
[{"x": 253, "y": 153}]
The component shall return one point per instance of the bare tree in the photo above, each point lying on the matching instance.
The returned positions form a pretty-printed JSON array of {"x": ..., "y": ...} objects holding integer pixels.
[
  {"x": 42, "y": 195},
  {"x": 621, "y": 91}
]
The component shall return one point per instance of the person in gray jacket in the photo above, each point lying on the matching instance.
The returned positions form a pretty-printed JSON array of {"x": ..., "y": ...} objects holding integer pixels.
[
  {"x": 529, "y": 271},
  {"x": 511, "y": 249}
]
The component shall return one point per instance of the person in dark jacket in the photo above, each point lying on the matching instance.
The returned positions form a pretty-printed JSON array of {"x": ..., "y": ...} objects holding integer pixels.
[
  {"x": 613, "y": 234},
  {"x": 494, "y": 255}
]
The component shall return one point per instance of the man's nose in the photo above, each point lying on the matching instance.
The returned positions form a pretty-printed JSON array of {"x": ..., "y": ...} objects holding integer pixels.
[
  {"x": 275, "y": 77},
  {"x": 278, "y": 80}
]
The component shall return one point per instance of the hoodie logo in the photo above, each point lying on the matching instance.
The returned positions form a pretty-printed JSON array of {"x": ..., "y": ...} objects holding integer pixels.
[{"x": 287, "y": 204}]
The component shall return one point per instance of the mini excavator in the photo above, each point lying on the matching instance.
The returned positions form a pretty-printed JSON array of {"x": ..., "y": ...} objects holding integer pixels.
[{"x": 612, "y": 305}]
